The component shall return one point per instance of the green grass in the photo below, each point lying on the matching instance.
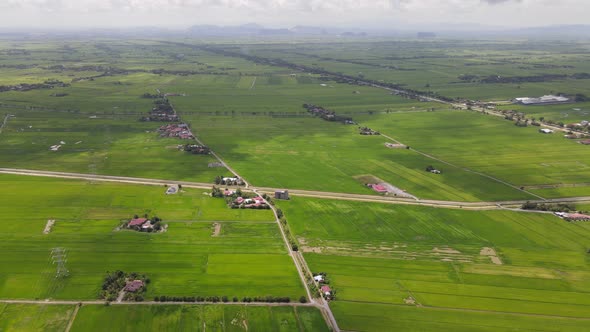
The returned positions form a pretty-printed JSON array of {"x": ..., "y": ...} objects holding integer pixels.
[
  {"x": 30, "y": 317},
  {"x": 247, "y": 259},
  {"x": 198, "y": 318}
]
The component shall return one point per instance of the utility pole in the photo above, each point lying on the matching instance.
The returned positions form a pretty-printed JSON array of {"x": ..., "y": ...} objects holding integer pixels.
[{"x": 59, "y": 257}]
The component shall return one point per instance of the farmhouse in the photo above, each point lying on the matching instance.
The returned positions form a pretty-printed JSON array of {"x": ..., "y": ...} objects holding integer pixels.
[
  {"x": 326, "y": 290},
  {"x": 137, "y": 222},
  {"x": 378, "y": 188},
  {"x": 282, "y": 194},
  {"x": 133, "y": 286},
  {"x": 180, "y": 130},
  {"x": 546, "y": 131},
  {"x": 573, "y": 216},
  {"x": 585, "y": 142},
  {"x": 395, "y": 146},
  {"x": 544, "y": 100},
  {"x": 319, "y": 278}
]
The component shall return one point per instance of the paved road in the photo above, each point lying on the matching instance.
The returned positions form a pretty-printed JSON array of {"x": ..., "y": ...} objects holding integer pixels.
[{"x": 492, "y": 205}]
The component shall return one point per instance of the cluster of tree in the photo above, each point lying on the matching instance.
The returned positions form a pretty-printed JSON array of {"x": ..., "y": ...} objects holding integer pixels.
[
  {"x": 354, "y": 62},
  {"x": 579, "y": 98},
  {"x": 492, "y": 79},
  {"x": 48, "y": 84},
  {"x": 196, "y": 149},
  {"x": 115, "y": 281},
  {"x": 290, "y": 237},
  {"x": 216, "y": 192},
  {"x": 559, "y": 207},
  {"x": 19, "y": 66},
  {"x": 225, "y": 299},
  {"x": 148, "y": 95},
  {"x": 368, "y": 131},
  {"x": 162, "y": 111},
  {"x": 326, "y": 114}
]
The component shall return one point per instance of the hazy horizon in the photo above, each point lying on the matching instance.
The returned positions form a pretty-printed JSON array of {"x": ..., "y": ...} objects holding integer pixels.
[{"x": 378, "y": 14}]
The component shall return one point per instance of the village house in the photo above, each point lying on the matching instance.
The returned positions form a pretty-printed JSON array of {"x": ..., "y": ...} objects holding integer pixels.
[
  {"x": 133, "y": 286},
  {"x": 573, "y": 216},
  {"x": 546, "y": 131},
  {"x": 326, "y": 291},
  {"x": 140, "y": 224},
  {"x": 319, "y": 278},
  {"x": 137, "y": 222},
  {"x": 378, "y": 188},
  {"x": 544, "y": 100}
]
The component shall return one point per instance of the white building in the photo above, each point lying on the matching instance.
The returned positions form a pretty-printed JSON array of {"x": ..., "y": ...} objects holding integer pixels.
[{"x": 547, "y": 99}]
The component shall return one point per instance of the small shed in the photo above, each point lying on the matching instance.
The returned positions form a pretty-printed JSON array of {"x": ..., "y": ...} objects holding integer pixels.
[{"x": 282, "y": 194}]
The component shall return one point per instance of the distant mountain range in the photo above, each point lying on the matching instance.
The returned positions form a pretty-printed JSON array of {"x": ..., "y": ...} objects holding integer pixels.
[
  {"x": 256, "y": 30},
  {"x": 253, "y": 29}
]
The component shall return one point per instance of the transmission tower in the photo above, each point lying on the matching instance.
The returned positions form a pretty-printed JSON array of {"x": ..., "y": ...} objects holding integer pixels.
[{"x": 58, "y": 257}]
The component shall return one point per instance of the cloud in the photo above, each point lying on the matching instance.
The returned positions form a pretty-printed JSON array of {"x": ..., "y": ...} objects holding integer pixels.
[{"x": 496, "y": 2}]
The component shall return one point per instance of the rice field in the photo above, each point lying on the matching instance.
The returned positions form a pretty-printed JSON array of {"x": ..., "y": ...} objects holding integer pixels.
[
  {"x": 443, "y": 263},
  {"x": 247, "y": 258}
]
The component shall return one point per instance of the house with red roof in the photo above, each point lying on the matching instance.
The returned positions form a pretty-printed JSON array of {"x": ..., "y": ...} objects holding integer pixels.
[
  {"x": 133, "y": 286},
  {"x": 326, "y": 290},
  {"x": 137, "y": 222},
  {"x": 379, "y": 188}
]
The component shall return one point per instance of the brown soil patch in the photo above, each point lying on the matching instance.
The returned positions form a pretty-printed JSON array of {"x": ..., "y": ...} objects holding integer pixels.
[
  {"x": 445, "y": 250},
  {"x": 486, "y": 251},
  {"x": 216, "y": 229},
  {"x": 316, "y": 250},
  {"x": 496, "y": 260},
  {"x": 491, "y": 253},
  {"x": 410, "y": 300},
  {"x": 48, "y": 226},
  {"x": 446, "y": 260}
]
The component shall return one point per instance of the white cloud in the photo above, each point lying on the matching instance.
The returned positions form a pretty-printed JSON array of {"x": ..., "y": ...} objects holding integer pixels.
[{"x": 317, "y": 12}]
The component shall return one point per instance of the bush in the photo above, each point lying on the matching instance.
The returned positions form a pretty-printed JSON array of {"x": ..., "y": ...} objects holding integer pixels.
[{"x": 302, "y": 299}]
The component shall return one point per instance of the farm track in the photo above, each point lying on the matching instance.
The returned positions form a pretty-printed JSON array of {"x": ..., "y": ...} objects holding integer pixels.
[
  {"x": 495, "y": 205},
  {"x": 6, "y": 117},
  {"x": 73, "y": 318}
]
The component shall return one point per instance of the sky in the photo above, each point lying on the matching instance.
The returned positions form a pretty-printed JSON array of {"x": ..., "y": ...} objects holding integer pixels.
[{"x": 383, "y": 14}]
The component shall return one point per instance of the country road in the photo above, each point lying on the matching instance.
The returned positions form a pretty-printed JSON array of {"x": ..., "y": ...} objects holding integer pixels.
[{"x": 492, "y": 205}]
